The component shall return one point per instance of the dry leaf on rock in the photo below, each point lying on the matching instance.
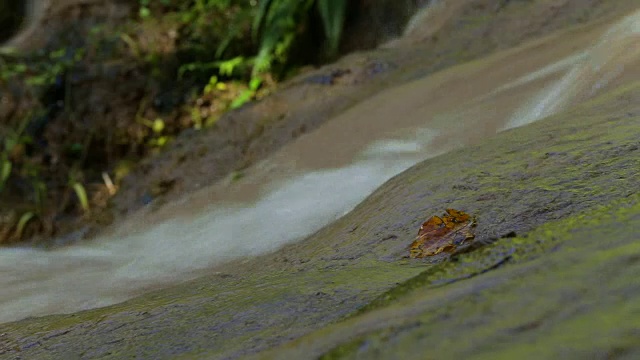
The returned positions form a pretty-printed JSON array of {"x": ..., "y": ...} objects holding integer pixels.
[{"x": 443, "y": 234}]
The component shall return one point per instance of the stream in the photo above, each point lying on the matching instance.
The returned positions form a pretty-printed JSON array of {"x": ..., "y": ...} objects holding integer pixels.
[{"x": 324, "y": 174}]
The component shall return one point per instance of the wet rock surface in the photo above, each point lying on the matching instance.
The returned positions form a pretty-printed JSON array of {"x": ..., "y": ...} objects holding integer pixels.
[
  {"x": 555, "y": 263},
  {"x": 572, "y": 171}
]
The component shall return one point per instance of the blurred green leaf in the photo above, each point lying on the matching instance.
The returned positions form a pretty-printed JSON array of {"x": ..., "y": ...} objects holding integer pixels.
[
  {"x": 145, "y": 12},
  {"x": 332, "y": 13},
  {"x": 81, "y": 193},
  {"x": 158, "y": 125},
  {"x": 242, "y": 99},
  {"x": 255, "y": 83},
  {"x": 5, "y": 171},
  {"x": 22, "y": 223},
  {"x": 227, "y": 67}
]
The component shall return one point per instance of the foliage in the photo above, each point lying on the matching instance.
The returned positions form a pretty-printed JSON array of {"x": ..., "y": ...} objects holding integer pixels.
[
  {"x": 37, "y": 73},
  {"x": 41, "y": 71},
  {"x": 5, "y": 170},
  {"x": 333, "y": 13},
  {"x": 276, "y": 22},
  {"x": 252, "y": 42},
  {"x": 218, "y": 54},
  {"x": 11, "y": 141},
  {"x": 280, "y": 21},
  {"x": 22, "y": 223},
  {"x": 81, "y": 193},
  {"x": 258, "y": 36}
]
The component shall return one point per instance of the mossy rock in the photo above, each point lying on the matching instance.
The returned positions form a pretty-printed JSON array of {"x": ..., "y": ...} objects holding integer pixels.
[{"x": 566, "y": 187}]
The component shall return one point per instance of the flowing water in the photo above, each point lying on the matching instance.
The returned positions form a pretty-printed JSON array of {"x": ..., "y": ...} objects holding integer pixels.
[{"x": 323, "y": 174}]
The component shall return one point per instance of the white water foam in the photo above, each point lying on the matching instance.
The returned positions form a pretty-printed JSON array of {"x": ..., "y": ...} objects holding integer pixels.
[
  {"x": 111, "y": 269},
  {"x": 588, "y": 71}
]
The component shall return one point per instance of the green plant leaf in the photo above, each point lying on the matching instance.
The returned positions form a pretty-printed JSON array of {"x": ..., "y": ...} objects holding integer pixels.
[
  {"x": 81, "y": 193},
  {"x": 242, "y": 99},
  {"x": 332, "y": 13},
  {"x": 22, "y": 223},
  {"x": 261, "y": 15},
  {"x": 227, "y": 67},
  {"x": 255, "y": 83},
  {"x": 5, "y": 171},
  {"x": 278, "y": 22},
  {"x": 158, "y": 125},
  {"x": 145, "y": 12}
]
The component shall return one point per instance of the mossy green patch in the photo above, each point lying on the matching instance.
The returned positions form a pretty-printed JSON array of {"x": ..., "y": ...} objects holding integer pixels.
[{"x": 568, "y": 289}]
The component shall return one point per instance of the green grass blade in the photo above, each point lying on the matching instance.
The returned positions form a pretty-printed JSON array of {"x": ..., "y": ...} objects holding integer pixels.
[
  {"x": 81, "y": 193},
  {"x": 332, "y": 13},
  {"x": 261, "y": 17},
  {"x": 22, "y": 223},
  {"x": 5, "y": 171}
]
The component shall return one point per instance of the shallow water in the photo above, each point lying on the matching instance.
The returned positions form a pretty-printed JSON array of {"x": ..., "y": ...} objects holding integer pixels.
[{"x": 323, "y": 174}]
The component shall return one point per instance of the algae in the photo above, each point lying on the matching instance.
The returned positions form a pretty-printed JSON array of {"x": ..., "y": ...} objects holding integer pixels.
[{"x": 576, "y": 301}]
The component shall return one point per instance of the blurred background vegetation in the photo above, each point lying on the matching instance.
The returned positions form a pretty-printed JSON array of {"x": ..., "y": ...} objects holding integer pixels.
[{"x": 106, "y": 88}]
